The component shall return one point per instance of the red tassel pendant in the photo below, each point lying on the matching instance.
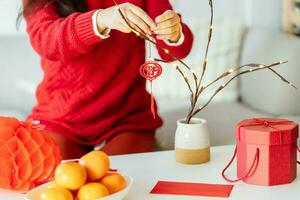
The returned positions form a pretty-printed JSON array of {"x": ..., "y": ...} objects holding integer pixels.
[{"x": 150, "y": 70}]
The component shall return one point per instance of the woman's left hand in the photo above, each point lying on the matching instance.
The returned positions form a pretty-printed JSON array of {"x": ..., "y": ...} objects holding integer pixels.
[{"x": 168, "y": 26}]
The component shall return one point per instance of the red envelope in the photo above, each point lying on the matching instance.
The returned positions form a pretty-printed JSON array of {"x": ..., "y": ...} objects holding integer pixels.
[{"x": 195, "y": 189}]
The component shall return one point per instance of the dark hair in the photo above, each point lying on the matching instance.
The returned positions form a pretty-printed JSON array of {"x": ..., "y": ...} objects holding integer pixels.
[{"x": 63, "y": 7}]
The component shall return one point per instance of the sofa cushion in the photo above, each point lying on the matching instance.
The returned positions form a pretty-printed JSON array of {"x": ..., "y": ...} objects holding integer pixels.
[{"x": 263, "y": 90}]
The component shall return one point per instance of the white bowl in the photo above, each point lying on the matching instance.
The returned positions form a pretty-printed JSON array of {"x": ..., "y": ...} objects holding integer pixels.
[
  {"x": 11, "y": 194},
  {"x": 33, "y": 194}
]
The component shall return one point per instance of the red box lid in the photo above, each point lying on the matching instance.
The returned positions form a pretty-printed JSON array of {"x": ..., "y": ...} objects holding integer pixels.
[{"x": 267, "y": 131}]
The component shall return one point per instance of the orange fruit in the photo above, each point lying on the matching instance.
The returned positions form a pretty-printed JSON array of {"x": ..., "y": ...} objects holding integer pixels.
[
  {"x": 91, "y": 191},
  {"x": 96, "y": 163},
  {"x": 55, "y": 194},
  {"x": 70, "y": 175},
  {"x": 53, "y": 184},
  {"x": 114, "y": 182}
]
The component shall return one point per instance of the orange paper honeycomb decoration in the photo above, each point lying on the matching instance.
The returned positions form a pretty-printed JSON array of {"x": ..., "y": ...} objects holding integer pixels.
[{"x": 28, "y": 155}]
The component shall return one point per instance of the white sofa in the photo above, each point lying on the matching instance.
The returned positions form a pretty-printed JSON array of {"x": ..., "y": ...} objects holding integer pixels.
[{"x": 256, "y": 95}]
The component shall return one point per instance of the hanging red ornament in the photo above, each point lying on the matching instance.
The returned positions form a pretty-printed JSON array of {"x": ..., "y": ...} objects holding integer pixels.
[
  {"x": 150, "y": 70},
  {"x": 29, "y": 154}
]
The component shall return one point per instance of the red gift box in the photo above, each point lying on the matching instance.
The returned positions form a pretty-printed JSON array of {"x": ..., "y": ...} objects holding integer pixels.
[{"x": 266, "y": 151}]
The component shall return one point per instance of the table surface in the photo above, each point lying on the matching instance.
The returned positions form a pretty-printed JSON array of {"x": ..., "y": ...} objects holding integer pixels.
[{"x": 147, "y": 168}]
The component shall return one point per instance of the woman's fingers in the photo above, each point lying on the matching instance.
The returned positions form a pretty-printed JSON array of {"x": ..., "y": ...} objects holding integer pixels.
[
  {"x": 171, "y": 37},
  {"x": 143, "y": 15},
  {"x": 169, "y": 14},
  {"x": 166, "y": 24},
  {"x": 125, "y": 25},
  {"x": 138, "y": 19},
  {"x": 110, "y": 18},
  {"x": 167, "y": 31},
  {"x": 124, "y": 28},
  {"x": 133, "y": 18}
]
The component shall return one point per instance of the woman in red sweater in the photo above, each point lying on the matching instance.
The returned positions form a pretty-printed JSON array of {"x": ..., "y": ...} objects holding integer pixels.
[{"x": 92, "y": 93}]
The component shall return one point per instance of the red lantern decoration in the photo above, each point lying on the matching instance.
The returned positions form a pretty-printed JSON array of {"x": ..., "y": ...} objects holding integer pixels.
[
  {"x": 150, "y": 70},
  {"x": 28, "y": 154}
]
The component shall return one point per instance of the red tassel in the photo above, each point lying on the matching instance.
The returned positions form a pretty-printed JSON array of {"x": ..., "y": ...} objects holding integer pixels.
[
  {"x": 152, "y": 103},
  {"x": 150, "y": 70}
]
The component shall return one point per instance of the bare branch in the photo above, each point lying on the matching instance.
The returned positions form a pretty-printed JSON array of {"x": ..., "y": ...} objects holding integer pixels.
[
  {"x": 160, "y": 60},
  {"x": 231, "y": 79},
  {"x": 225, "y": 74},
  {"x": 185, "y": 80},
  {"x": 252, "y": 65},
  {"x": 199, "y": 87},
  {"x": 283, "y": 79},
  {"x": 208, "y": 41},
  {"x": 192, "y": 71}
]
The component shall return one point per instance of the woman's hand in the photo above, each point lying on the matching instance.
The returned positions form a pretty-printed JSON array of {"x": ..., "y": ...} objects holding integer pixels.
[
  {"x": 168, "y": 26},
  {"x": 110, "y": 18}
]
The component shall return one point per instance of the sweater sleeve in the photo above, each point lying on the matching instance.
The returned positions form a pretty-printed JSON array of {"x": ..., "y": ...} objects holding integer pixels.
[
  {"x": 57, "y": 38},
  {"x": 155, "y": 9}
]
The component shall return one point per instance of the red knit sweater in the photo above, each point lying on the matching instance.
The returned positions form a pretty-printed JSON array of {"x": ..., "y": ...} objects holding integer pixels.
[{"x": 92, "y": 89}]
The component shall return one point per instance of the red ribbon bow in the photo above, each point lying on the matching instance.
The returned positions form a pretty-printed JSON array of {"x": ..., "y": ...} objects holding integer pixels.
[
  {"x": 268, "y": 123},
  {"x": 265, "y": 123}
]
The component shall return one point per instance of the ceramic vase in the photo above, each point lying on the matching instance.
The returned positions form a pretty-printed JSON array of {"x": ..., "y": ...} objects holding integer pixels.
[{"x": 192, "y": 144}]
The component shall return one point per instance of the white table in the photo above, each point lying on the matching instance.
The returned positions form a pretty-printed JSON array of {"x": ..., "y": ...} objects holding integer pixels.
[{"x": 147, "y": 168}]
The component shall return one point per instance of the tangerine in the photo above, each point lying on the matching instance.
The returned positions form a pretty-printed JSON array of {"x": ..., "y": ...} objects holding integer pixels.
[
  {"x": 55, "y": 193},
  {"x": 96, "y": 163},
  {"x": 91, "y": 191},
  {"x": 114, "y": 182},
  {"x": 70, "y": 175}
]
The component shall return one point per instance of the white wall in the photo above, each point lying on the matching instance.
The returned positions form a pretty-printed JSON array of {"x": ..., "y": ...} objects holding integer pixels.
[
  {"x": 262, "y": 14},
  {"x": 8, "y": 14},
  {"x": 265, "y": 14}
]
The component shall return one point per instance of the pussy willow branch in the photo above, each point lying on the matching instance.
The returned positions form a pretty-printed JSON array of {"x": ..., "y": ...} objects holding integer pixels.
[
  {"x": 236, "y": 69},
  {"x": 282, "y": 78},
  {"x": 231, "y": 79},
  {"x": 208, "y": 41},
  {"x": 251, "y": 65},
  {"x": 199, "y": 87},
  {"x": 185, "y": 80}
]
